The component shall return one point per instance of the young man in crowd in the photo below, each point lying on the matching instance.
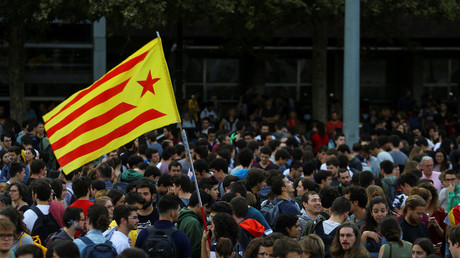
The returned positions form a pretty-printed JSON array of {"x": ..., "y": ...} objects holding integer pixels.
[
  {"x": 148, "y": 214},
  {"x": 283, "y": 189},
  {"x": 182, "y": 188},
  {"x": 411, "y": 226},
  {"x": 358, "y": 200},
  {"x": 312, "y": 207},
  {"x": 126, "y": 218}
]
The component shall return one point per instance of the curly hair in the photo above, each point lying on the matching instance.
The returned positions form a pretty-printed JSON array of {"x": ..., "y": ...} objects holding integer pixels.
[
  {"x": 225, "y": 226},
  {"x": 390, "y": 229},
  {"x": 369, "y": 223},
  {"x": 16, "y": 217}
]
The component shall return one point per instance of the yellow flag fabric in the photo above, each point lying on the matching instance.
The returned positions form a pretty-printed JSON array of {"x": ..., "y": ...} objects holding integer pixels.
[{"x": 133, "y": 98}]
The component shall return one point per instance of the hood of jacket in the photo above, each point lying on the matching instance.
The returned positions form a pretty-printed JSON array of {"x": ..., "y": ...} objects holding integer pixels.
[
  {"x": 253, "y": 227},
  {"x": 131, "y": 175}
]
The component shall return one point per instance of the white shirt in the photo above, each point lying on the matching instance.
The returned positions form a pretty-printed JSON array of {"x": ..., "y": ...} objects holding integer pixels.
[
  {"x": 329, "y": 225},
  {"x": 120, "y": 241},
  {"x": 30, "y": 216}
]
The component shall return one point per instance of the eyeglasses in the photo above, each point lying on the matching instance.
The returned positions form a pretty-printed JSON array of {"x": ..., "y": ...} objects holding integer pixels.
[
  {"x": 6, "y": 236},
  {"x": 450, "y": 179},
  {"x": 13, "y": 191},
  {"x": 134, "y": 217}
]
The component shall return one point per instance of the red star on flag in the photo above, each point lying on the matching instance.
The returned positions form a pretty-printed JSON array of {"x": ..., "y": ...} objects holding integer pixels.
[{"x": 148, "y": 84}]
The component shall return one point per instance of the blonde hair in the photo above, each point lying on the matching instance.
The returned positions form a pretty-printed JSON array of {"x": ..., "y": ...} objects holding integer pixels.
[
  {"x": 102, "y": 200},
  {"x": 313, "y": 245},
  {"x": 373, "y": 191},
  {"x": 413, "y": 202},
  {"x": 422, "y": 192},
  {"x": 101, "y": 193}
]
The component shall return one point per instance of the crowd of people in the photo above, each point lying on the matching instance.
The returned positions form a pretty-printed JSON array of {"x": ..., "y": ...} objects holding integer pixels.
[{"x": 265, "y": 188}]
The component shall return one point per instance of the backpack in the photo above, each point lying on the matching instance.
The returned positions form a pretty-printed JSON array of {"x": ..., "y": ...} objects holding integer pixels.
[
  {"x": 311, "y": 225},
  {"x": 271, "y": 211},
  {"x": 44, "y": 226},
  {"x": 38, "y": 243},
  {"x": 392, "y": 188},
  {"x": 103, "y": 250},
  {"x": 159, "y": 242}
]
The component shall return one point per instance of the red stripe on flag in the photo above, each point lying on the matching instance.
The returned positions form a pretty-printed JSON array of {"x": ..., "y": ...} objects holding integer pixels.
[
  {"x": 121, "y": 69},
  {"x": 121, "y": 131},
  {"x": 93, "y": 123},
  {"x": 101, "y": 98}
]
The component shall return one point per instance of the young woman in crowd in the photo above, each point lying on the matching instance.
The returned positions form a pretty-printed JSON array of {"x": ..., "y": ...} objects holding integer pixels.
[
  {"x": 422, "y": 248},
  {"x": 5, "y": 158},
  {"x": 441, "y": 162},
  {"x": 371, "y": 235},
  {"x": 19, "y": 196},
  {"x": 21, "y": 235},
  {"x": 312, "y": 246},
  {"x": 395, "y": 247}
]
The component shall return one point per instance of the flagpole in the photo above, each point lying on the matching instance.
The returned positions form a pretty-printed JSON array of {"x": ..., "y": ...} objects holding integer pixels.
[{"x": 187, "y": 150}]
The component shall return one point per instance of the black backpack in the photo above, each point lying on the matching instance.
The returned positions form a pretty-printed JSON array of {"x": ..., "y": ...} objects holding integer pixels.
[
  {"x": 44, "y": 226},
  {"x": 392, "y": 188},
  {"x": 159, "y": 242},
  {"x": 93, "y": 250}
]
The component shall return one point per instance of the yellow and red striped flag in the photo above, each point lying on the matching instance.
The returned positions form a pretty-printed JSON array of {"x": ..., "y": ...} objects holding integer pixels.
[{"x": 133, "y": 98}]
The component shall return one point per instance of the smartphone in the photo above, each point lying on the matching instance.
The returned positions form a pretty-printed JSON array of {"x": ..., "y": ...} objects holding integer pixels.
[{"x": 431, "y": 218}]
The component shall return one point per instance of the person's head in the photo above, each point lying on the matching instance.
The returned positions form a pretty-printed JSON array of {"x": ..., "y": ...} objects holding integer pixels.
[
  {"x": 265, "y": 153},
  {"x": 38, "y": 167},
  {"x": 282, "y": 156},
  {"x": 219, "y": 167},
  {"x": 126, "y": 216},
  {"x": 17, "y": 191},
  {"x": 311, "y": 202},
  {"x": 347, "y": 241},
  {"x": 169, "y": 207},
  {"x": 407, "y": 181},
  {"x": 64, "y": 249},
  {"x": 286, "y": 248},
  {"x": 17, "y": 170},
  {"x": 282, "y": 185},
  {"x": 29, "y": 251},
  {"x": 222, "y": 206},
  {"x": 117, "y": 197},
  {"x": 210, "y": 186},
  {"x": 81, "y": 186},
  {"x": 30, "y": 155},
  {"x": 427, "y": 165},
  {"x": 7, "y": 139},
  {"x": 133, "y": 252},
  {"x": 453, "y": 239},
  {"x": 107, "y": 203},
  {"x": 181, "y": 183},
  {"x": 305, "y": 185},
  {"x": 323, "y": 178},
  {"x": 296, "y": 169},
  {"x": 240, "y": 207},
  {"x": 104, "y": 172},
  {"x": 312, "y": 246},
  {"x": 16, "y": 218},
  {"x": 206, "y": 199},
  {"x": 255, "y": 248},
  {"x": 97, "y": 217},
  {"x": 224, "y": 248},
  {"x": 414, "y": 209},
  {"x": 386, "y": 167},
  {"x": 7, "y": 230},
  {"x": 146, "y": 187},
  {"x": 366, "y": 178},
  {"x": 224, "y": 226},
  {"x": 287, "y": 224},
  {"x": 256, "y": 178},
  {"x": 390, "y": 229},
  {"x": 358, "y": 197},
  {"x": 376, "y": 211},
  {"x": 422, "y": 247},
  {"x": 245, "y": 157},
  {"x": 344, "y": 177},
  {"x": 340, "y": 207},
  {"x": 74, "y": 218},
  {"x": 327, "y": 196},
  {"x": 41, "y": 189},
  {"x": 238, "y": 188},
  {"x": 174, "y": 168}
]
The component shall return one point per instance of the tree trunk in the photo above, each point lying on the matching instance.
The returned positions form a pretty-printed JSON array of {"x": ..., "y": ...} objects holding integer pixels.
[
  {"x": 319, "y": 80},
  {"x": 16, "y": 49}
]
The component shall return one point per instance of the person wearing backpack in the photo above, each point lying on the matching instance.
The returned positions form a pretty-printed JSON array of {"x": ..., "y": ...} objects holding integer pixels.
[
  {"x": 74, "y": 219},
  {"x": 126, "y": 218},
  {"x": 163, "y": 231},
  {"x": 38, "y": 218},
  {"x": 94, "y": 244},
  {"x": 389, "y": 181}
]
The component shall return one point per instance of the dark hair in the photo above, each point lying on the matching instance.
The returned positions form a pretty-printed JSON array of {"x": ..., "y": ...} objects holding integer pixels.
[
  {"x": 63, "y": 248},
  {"x": 390, "y": 229},
  {"x": 387, "y": 167},
  {"x": 228, "y": 180},
  {"x": 283, "y": 246},
  {"x": 132, "y": 198},
  {"x": 322, "y": 175},
  {"x": 328, "y": 195},
  {"x": 174, "y": 164},
  {"x": 408, "y": 178},
  {"x": 240, "y": 206},
  {"x": 333, "y": 161},
  {"x": 255, "y": 176},
  {"x": 206, "y": 199},
  {"x": 133, "y": 252},
  {"x": 133, "y": 160},
  {"x": 71, "y": 214},
  {"x": 253, "y": 248},
  {"x": 34, "y": 250},
  {"x": 164, "y": 180},
  {"x": 309, "y": 167},
  {"x": 282, "y": 154},
  {"x": 425, "y": 244},
  {"x": 269, "y": 241},
  {"x": 152, "y": 171},
  {"x": 358, "y": 193},
  {"x": 336, "y": 249},
  {"x": 16, "y": 218},
  {"x": 36, "y": 166},
  {"x": 201, "y": 165},
  {"x": 366, "y": 178},
  {"x": 219, "y": 164},
  {"x": 277, "y": 185},
  {"x": 224, "y": 247},
  {"x": 340, "y": 206},
  {"x": 307, "y": 183},
  {"x": 5, "y": 198},
  {"x": 22, "y": 189},
  {"x": 285, "y": 220},
  {"x": 115, "y": 195},
  {"x": 15, "y": 167},
  {"x": 245, "y": 157},
  {"x": 149, "y": 183},
  {"x": 238, "y": 187},
  {"x": 266, "y": 150},
  {"x": 80, "y": 186},
  {"x": 208, "y": 183},
  {"x": 105, "y": 171},
  {"x": 98, "y": 216},
  {"x": 41, "y": 188},
  {"x": 123, "y": 211},
  {"x": 183, "y": 181},
  {"x": 222, "y": 206},
  {"x": 225, "y": 226},
  {"x": 167, "y": 203},
  {"x": 369, "y": 222}
]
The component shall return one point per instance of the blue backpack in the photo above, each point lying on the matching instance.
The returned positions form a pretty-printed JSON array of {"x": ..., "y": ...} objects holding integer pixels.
[{"x": 103, "y": 250}]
